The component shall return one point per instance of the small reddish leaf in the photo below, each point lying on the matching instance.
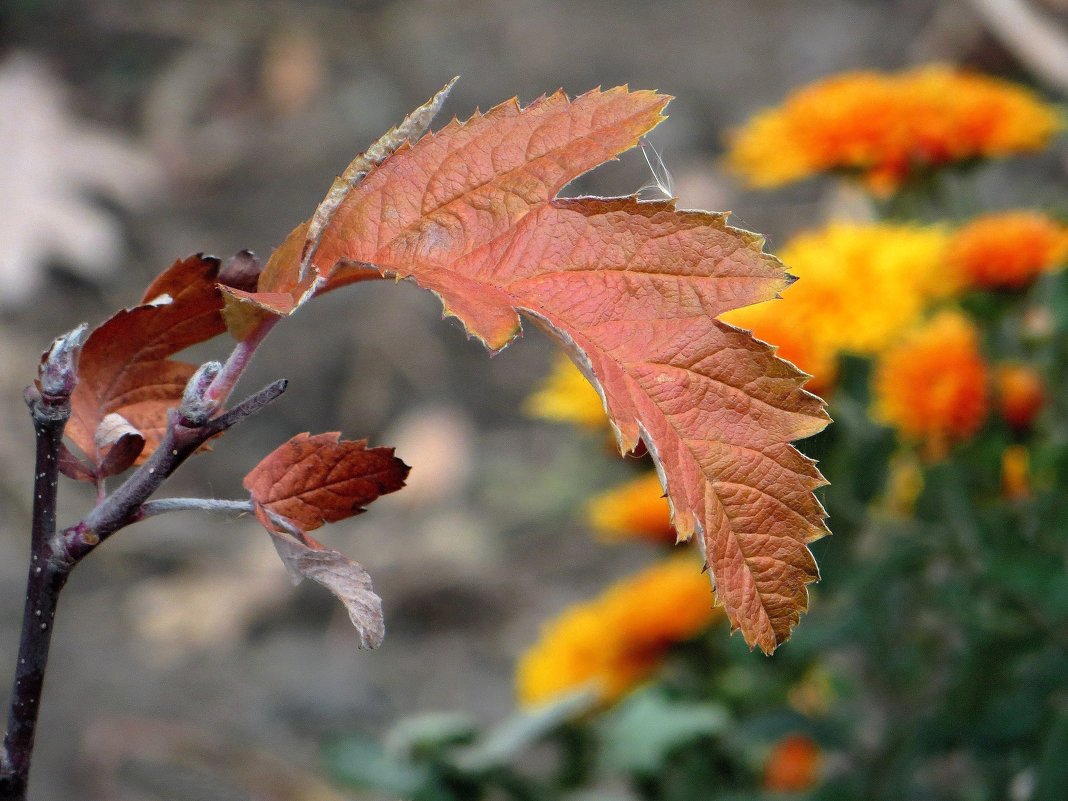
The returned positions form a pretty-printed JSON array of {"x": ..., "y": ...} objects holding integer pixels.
[
  {"x": 346, "y": 579},
  {"x": 312, "y": 480},
  {"x": 632, "y": 289},
  {"x": 125, "y": 365}
]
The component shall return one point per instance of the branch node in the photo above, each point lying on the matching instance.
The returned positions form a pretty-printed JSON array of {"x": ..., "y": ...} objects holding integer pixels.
[{"x": 196, "y": 406}]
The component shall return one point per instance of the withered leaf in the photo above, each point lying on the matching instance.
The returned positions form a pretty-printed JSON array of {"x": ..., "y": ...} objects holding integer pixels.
[
  {"x": 346, "y": 579},
  {"x": 119, "y": 443}
]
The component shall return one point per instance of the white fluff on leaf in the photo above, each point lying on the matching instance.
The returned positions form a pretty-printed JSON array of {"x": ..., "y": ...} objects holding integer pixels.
[{"x": 51, "y": 166}]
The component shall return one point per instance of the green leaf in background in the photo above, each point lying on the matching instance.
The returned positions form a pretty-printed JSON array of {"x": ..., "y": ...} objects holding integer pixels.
[
  {"x": 522, "y": 731},
  {"x": 364, "y": 763},
  {"x": 640, "y": 734},
  {"x": 430, "y": 735},
  {"x": 1052, "y": 774}
]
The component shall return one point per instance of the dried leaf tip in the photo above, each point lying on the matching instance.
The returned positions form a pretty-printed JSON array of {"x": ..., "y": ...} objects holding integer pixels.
[
  {"x": 58, "y": 371},
  {"x": 411, "y": 128}
]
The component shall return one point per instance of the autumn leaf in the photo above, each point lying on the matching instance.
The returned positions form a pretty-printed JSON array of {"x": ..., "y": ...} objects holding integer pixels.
[
  {"x": 125, "y": 366},
  {"x": 632, "y": 290},
  {"x": 311, "y": 480}
]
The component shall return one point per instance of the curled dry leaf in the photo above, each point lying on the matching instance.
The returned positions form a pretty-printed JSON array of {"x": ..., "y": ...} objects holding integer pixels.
[
  {"x": 632, "y": 290},
  {"x": 125, "y": 365},
  {"x": 346, "y": 579},
  {"x": 311, "y": 480},
  {"x": 119, "y": 443}
]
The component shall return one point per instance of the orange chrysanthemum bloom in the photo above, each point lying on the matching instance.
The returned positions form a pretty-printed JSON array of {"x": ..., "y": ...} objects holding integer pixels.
[
  {"x": 1007, "y": 250},
  {"x": 619, "y": 639},
  {"x": 890, "y": 126},
  {"x": 861, "y": 285},
  {"x": 634, "y": 510},
  {"x": 793, "y": 765},
  {"x": 932, "y": 387},
  {"x": 567, "y": 396}
]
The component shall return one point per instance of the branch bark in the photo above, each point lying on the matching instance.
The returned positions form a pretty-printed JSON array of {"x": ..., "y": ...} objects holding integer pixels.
[
  {"x": 43, "y": 584},
  {"x": 123, "y": 506}
]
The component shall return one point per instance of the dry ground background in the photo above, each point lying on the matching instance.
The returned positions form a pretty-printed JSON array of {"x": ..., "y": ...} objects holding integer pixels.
[{"x": 184, "y": 664}]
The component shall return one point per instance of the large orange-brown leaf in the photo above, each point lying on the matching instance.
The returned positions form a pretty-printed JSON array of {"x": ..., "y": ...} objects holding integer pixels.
[
  {"x": 125, "y": 367},
  {"x": 632, "y": 289},
  {"x": 311, "y": 480}
]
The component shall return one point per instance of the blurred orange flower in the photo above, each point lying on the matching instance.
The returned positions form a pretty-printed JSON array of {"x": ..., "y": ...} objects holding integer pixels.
[
  {"x": 567, "y": 396},
  {"x": 1021, "y": 394},
  {"x": 620, "y": 638},
  {"x": 634, "y": 510},
  {"x": 1007, "y": 250},
  {"x": 889, "y": 126},
  {"x": 861, "y": 285},
  {"x": 793, "y": 765},
  {"x": 932, "y": 387}
]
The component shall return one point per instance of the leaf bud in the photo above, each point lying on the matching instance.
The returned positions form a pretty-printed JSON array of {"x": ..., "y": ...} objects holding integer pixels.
[
  {"x": 196, "y": 406},
  {"x": 57, "y": 374}
]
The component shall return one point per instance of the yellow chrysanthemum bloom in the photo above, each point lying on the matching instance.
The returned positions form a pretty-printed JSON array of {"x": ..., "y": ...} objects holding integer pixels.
[
  {"x": 567, "y": 396},
  {"x": 861, "y": 285},
  {"x": 619, "y": 639},
  {"x": 634, "y": 510},
  {"x": 933, "y": 386},
  {"x": 889, "y": 126},
  {"x": 1008, "y": 250}
]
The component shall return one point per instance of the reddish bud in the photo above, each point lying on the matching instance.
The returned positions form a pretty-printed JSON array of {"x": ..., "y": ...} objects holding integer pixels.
[{"x": 1021, "y": 394}]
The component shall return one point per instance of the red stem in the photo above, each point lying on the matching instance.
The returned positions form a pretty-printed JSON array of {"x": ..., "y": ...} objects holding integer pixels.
[{"x": 238, "y": 360}]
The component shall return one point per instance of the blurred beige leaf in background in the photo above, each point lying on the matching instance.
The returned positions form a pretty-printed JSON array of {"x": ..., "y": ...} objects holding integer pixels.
[{"x": 51, "y": 166}]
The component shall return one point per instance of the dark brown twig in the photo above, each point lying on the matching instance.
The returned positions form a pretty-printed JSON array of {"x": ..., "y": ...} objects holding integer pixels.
[
  {"x": 43, "y": 584},
  {"x": 53, "y": 556},
  {"x": 179, "y": 443}
]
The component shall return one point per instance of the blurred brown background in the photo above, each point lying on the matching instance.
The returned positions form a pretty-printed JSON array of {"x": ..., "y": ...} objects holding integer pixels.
[{"x": 184, "y": 665}]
